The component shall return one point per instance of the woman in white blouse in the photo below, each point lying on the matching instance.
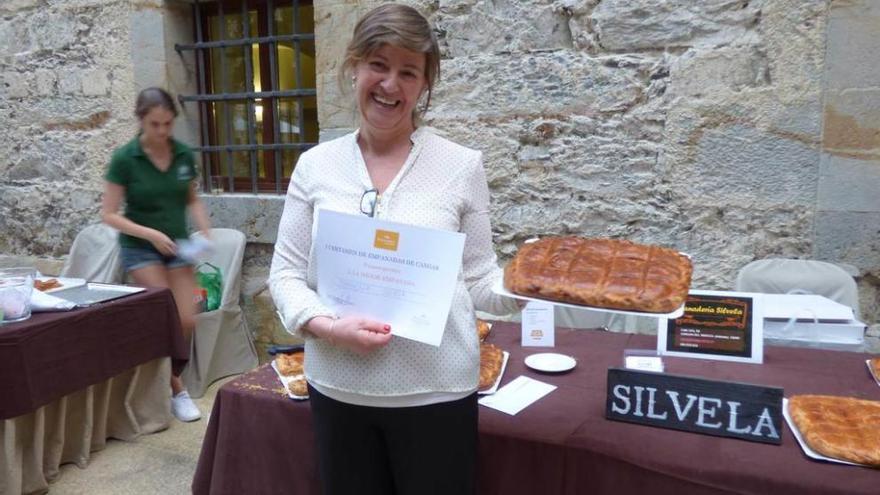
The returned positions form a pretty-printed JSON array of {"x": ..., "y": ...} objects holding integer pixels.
[{"x": 391, "y": 415}]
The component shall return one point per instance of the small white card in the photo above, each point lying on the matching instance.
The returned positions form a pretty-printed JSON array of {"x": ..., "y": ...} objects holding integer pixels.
[
  {"x": 517, "y": 395},
  {"x": 538, "y": 325},
  {"x": 644, "y": 363}
]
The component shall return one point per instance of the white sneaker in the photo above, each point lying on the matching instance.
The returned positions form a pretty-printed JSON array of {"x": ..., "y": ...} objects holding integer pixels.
[{"x": 184, "y": 408}]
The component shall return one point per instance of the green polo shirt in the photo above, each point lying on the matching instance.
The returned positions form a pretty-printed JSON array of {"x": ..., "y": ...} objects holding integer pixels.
[{"x": 153, "y": 198}]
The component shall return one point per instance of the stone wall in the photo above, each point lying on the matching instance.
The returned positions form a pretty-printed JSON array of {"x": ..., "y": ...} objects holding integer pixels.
[
  {"x": 69, "y": 71},
  {"x": 731, "y": 129},
  {"x": 64, "y": 99},
  {"x": 697, "y": 125}
]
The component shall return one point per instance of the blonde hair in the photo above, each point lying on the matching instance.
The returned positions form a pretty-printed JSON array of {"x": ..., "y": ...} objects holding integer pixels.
[{"x": 396, "y": 25}]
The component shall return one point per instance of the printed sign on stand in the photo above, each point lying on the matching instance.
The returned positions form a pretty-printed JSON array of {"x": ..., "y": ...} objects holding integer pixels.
[
  {"x": 725, "y": 326},
  {"x": 538, "y": 325}
]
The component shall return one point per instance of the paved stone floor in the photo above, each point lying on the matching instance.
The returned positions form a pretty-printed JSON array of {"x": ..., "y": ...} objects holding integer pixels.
[{"x": 162, "y": 463}]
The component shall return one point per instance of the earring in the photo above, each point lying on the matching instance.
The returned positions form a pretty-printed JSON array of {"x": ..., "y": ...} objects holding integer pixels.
[{"x": 353, "y": 81}]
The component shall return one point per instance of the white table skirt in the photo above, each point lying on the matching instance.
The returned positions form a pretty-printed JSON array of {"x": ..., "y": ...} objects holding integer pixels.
[{"x": 34, "y": 445}]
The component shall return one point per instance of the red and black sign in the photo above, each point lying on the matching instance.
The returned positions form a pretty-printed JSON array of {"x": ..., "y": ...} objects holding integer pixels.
[{"x": 720, "y": 325}]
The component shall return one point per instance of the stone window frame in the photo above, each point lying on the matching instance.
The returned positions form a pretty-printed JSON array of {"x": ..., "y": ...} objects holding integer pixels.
[{"x": 225, "y": 181}]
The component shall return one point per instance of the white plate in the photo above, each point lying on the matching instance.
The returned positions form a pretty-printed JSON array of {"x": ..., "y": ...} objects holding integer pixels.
[
  {"x": 806, "y": 448},
  {"x": 285, "y": 379},
  {"x": 499, "y": 289},
  {"x": 494, "y": 387},
  {"x": 550, "y": 362},
  {"x": 66, "y": 283},
  {"x": 871, "y": 371}
]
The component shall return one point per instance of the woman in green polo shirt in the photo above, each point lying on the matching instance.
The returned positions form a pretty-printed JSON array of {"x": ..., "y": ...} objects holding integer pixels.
[{"x": 156, "y": 177}]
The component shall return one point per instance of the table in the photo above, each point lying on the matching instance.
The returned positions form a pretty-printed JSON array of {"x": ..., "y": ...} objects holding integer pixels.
[
  {"x": 259, "y": 441},
  {"x": 70, "y": 380},
  {"x": 53, "y": 354}
]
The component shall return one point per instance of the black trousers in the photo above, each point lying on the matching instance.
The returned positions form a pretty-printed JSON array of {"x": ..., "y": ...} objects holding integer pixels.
[{"x": 420, "y": 450}]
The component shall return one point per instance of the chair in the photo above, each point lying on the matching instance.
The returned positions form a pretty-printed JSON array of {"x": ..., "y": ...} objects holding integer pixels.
[
  {"x": 221, "y": 343},
  {"x": 784, "y": 276},
  {"x": 95, "y": 255}
]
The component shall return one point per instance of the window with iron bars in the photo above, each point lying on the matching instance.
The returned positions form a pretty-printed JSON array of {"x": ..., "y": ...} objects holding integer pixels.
[{"x": 256, "y": 91}]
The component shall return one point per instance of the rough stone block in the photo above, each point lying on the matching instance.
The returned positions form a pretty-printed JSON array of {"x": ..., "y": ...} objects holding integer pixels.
[
  {"x": 14, "y": 37},
  {"x": 69, "y": 82},
  {"x": 15, "y": 85},
  {"x": 852, "y": 56},
  {"x": 655, "y": 24},
  {"x": 147, "y": 33},
  {"x": 560, "y": 82},
  {"x": 62, "y": 33},
  {"x": 738, "y": 165},
  {"x": 264, "y": 323},
  {"x": 150, "y": 73},
  {"x": 495, "y": 27},
  {"x": 792, "y": 34},
  {"x": 11, "y": 6},
  {"x": 849, "y": 236},
  {"x": 723, "y": 240},
  {"x": 45, "y": 82},
  {"x": 95, "y": 82},
  {"x": 22, "y": 207},
  {"x": 703, "y": 73},
  {"x": 851, "y": 123},
  {"x": 334, "y": 23},
  {"x": 849, "y": 184},
  {"x": 256, "y": 216}
]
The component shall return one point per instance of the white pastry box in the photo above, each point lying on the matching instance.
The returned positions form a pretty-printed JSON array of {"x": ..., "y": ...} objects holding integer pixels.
[{"x": 809, "y": 320}]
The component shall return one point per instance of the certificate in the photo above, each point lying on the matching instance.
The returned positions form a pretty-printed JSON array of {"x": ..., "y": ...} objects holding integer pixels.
[{"x": 394, "y": 273}]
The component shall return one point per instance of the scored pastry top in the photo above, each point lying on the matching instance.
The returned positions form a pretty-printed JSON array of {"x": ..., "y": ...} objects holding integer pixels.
[
  {"x": 605, "y": 273},
  {"x": 839, "y": 427}
]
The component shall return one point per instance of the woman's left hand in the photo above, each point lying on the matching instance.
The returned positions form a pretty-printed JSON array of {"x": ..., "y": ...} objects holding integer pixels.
[{"x": 360, "y": 335}]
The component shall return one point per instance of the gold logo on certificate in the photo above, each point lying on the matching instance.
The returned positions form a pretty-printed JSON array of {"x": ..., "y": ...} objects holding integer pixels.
[{"x": 386, "y": 239}]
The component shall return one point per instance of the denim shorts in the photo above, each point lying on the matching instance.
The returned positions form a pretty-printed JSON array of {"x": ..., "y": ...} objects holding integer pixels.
[{"x": 134, "y": 258}]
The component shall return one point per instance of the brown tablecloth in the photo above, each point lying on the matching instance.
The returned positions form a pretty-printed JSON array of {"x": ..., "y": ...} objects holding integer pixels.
[
  {"x": 53, "y": 354},
  {"x": 259, "y": 441}
]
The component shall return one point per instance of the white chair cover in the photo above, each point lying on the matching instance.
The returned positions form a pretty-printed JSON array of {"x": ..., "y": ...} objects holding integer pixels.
[
  {"x": 95, "y": 255},
  {"x": 221, "y": 344},
  {"x": 783, "y": 276}
]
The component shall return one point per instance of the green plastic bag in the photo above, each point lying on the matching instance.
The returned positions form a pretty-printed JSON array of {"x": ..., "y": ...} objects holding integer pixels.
[{"x": 212, "y": 282}]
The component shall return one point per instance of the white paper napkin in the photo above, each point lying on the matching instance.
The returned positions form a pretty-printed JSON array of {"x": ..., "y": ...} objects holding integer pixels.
[
  {"x": 40, "y": 301},
  {"x": 517, "y": 395},
  {"x": 195, "y": 250}
]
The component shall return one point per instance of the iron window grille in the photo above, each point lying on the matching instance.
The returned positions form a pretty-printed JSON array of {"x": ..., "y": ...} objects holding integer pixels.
[{"x": 256, "y": 91}]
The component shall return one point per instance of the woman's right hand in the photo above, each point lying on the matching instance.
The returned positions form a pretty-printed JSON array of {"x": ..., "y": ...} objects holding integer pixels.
[
  {"x": 358, "y": 335},
  {"x": 163, "y": 243}
]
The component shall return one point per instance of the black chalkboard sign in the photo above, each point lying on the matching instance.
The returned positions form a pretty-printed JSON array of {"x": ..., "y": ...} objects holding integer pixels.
[{"x": 726, "y": 409}]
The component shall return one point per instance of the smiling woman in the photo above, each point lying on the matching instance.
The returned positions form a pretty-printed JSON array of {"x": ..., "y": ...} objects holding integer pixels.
[
  {"x": 389, "y": 83},
  {"x": 391, "y": 34},
  {"x": 391, "y": 415}
]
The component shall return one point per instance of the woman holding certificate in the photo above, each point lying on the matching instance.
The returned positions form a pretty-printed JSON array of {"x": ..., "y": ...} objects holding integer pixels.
[{"x": 391, "y": 415}]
